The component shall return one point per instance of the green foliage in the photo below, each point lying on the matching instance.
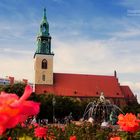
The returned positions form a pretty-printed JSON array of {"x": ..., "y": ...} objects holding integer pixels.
[
  {"x": 1, "y": 88},
  {"x": 85, "y": 131},
  {"x": 137, "y": 136},
  {"x": 63, "y": 106},
  {"x": 132, "y": 108},
  {"x": 17, "y": 88},
  {"x": 18, "y": 132},
  {"x": 129, "y": 136}
]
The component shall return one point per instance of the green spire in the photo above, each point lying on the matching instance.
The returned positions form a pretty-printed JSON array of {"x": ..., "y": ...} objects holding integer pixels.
[
  {"x": 44, "y": 14},
  {"x": 44, "y": 38},
  {"x": 44, "y": 26}
]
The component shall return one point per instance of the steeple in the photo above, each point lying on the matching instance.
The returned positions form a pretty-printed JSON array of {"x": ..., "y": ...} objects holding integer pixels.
[
  {"x": 43, "y": 57},
  {"x": 44, "y": 26},
  {"x": 44, "y": 38}
]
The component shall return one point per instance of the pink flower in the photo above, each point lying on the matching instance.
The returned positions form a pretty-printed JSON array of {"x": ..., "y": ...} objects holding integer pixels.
[
  {"x": 41, "y": 132},
  {"x": 128, "y": 122},
  {"x": 14, "y": 110}
]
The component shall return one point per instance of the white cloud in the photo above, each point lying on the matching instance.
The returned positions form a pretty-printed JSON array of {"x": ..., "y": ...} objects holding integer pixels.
[
  {"x": 16, "y": 61},
  {"x": 133, "y": 4},
  {"x": 129, "y": 33},
  {"x": 19, "y": 52},
  {"x": 19, "y": 68},
  {"x": 96, "y": 56}
]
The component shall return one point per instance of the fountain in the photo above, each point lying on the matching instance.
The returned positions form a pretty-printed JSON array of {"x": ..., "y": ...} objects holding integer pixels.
[{"x": 102, "y": 111}]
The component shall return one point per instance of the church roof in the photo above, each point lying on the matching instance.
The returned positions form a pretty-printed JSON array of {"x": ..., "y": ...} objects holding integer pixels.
[
  {"x": 83, "y": 85},
  {"x": 127, "y": 92}
]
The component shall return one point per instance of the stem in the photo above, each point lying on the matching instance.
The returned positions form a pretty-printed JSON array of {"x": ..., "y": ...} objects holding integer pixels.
[{"x": 130, "y": 136}]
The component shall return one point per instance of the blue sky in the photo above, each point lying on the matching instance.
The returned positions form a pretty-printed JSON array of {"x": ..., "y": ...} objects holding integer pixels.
[{"x": 88, "y": 36}]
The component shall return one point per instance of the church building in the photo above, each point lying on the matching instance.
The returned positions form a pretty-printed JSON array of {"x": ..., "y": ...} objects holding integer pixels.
[{"x": 73, "y": 85}]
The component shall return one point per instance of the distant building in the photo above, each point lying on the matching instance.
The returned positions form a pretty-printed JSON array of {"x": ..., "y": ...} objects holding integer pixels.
[
  {"x": 73, "y": 85},
  {"x": 11, "y": 80}
]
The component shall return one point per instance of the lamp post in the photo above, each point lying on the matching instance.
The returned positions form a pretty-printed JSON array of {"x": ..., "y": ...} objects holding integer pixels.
[{"x": 53, "y": 103}]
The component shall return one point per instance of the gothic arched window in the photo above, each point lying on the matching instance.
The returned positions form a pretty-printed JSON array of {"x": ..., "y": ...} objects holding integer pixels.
[{"x": 44, "y": 64}]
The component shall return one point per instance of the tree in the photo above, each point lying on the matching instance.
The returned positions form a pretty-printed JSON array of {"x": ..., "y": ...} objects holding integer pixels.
[
  {"x": 135, "y": 108},
  {"x": 17, "y": 88}
]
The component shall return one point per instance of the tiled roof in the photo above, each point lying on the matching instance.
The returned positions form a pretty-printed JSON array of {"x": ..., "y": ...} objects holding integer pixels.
[
  {"x": 127, "y": 92},
  {"x": 81, "y": 85}
]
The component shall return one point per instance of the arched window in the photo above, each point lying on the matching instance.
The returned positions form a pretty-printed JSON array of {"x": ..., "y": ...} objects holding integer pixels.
[
  {"x": 44, "y": 64},
  {"x": 43, "y": 77}
]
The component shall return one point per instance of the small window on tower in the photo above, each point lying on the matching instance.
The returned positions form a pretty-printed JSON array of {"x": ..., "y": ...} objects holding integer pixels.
[
  {"x": 43, "y": 77},
  {"x": 44, "y": 64}
]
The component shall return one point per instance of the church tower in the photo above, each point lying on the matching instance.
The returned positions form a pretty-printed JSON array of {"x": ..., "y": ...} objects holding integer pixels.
[{"x": 43, "y": 56}]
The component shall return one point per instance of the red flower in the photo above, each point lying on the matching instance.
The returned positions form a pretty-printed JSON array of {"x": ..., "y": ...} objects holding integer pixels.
[
  {"x": 73, "y": 138},
  {"x": 129, "y": 122},
  {"x": 63, "y": 129},
  {"x": 14, "y": 110},
  {"x": 35, "y": 124},
  {"x": 41, "y": 132},
  {"x": 23, "y": 124},
  {"x": 115, "y": 138},
  {"x": 9, "y": 138}
]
